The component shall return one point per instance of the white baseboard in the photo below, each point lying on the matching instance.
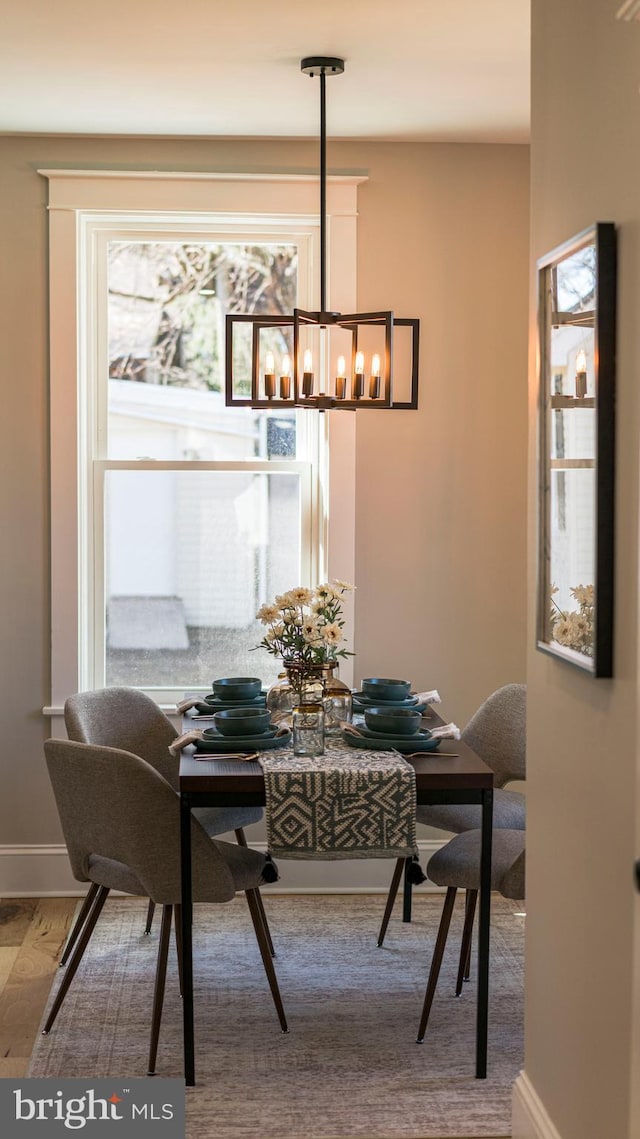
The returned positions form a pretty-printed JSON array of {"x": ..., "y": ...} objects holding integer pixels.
[
  {"x": 529, "y": 1117},
  {"x": 40, "y": 871},
  {"x": 44, "y": 871},
  {"x": 37, "y": 871}
]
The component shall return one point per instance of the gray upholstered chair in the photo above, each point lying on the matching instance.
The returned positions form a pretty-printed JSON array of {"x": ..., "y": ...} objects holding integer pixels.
[
  {"x": 497, "y": 733},
  {"x": 128, "y": 719},
  {"x": 457, "y": 866},
  {"x": 121, "y": 823}
]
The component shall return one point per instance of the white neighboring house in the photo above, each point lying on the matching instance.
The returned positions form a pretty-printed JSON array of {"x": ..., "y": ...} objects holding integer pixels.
[{"x": 216, "y": 563}]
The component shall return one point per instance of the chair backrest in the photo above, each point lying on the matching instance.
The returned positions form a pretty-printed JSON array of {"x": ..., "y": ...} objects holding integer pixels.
[
  {"x": 497, "y": 732},
  {"x": 127, "y": 719},
  {"x": 512, "y": 883},
  {"x": 112, "y": 804}
]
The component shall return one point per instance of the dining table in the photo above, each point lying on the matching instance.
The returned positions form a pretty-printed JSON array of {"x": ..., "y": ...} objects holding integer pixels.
[{"x": 457, "y": 775}]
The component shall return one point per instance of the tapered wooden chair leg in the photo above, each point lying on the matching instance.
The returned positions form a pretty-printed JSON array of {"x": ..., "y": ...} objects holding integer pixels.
[
  {"x": 265, "y": 923},
  {"x": 241, "y": 839},
  {"x": 464, "y": 965},
  {"x": 80, "y": 920},
  {"x": 265, "y": 953},
  {"x": 391, "y": 897},
  {"x": 434, "y": 972},
  {"x": 76, "y": 956},
  {"x": 158, "y": 994},
  {"x": 178, "y": 933},
  {"x": 150, "y": 913}
]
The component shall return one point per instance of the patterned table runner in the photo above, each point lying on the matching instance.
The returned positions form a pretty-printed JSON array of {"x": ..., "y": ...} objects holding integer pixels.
[{"x": 343, "y": 804}]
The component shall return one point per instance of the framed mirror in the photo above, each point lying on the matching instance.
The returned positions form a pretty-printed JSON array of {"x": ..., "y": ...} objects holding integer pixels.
[{"x": 576, "y": 331}]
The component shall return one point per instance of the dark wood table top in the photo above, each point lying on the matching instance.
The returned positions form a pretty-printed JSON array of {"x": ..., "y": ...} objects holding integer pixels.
[{"x": 433, "y": 772}]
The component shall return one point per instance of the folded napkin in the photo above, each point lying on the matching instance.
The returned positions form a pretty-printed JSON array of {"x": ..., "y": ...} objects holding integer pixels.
[
  {"x": 189, "y": 702},
  {"x": 186, "y": 738},
  {"x": 446, "y": 732},
  {"x": 432, "y": 697}
]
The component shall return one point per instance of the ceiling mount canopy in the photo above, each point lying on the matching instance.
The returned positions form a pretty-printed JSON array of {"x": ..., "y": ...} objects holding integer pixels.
[{"x": 355, "y": 355}]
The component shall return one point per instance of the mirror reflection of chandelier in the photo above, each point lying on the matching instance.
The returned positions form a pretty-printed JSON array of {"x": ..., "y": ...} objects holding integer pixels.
[{"x": 323, "y": 360}]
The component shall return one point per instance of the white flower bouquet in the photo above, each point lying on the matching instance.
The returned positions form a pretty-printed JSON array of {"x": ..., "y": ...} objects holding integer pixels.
[
  {"x": 574, "y": 628},
  {"x": 305, "y": 626}
]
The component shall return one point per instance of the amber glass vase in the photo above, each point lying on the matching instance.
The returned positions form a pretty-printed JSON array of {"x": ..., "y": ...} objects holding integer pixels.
[
  {"x": 298, "y": 684},
  {"x": 312, "y": 684},
  {"x": 337, "y": 700}
]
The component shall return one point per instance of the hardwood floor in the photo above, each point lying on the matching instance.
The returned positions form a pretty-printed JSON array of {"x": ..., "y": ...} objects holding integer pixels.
[{"x": 32, "y": 933}]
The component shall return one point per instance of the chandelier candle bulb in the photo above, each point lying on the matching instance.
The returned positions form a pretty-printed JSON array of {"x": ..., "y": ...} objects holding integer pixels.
[
  {"x": 270, "y": 376},
  {"x": 285, "y": 378},
  {"x": 358, "y": 376},
  {"x": 581, "y": 374},
  {"x": 307, "y": 373},
  {"x": 374, "y": 381},
  {"x": 341, "y": 379}
]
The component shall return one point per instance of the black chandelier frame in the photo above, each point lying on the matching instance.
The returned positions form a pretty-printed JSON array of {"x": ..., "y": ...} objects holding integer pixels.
[{"x": 298, "y": 391}]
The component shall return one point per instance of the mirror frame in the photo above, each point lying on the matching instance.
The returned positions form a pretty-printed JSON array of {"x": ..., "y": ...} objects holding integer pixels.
[{"x": 603, "y": 236}]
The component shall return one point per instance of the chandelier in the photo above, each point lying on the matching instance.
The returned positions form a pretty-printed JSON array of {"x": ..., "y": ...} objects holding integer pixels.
[{"x": 323, "y": 360}]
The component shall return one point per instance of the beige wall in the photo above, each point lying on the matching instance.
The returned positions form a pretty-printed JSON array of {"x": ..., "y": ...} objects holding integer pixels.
[
  {"x": 582, "y": 735},
  {"x": 440, "y": 529},
  {"x": 440, "y": 541}
]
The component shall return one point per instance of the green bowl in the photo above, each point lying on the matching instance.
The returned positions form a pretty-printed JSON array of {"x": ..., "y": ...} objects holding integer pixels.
[
  {"x": 242, "y": 721},
  {"x": 393, "y": 721},
  {"x": 237, "y": 687},
  {"x": 381, "y": 688}
]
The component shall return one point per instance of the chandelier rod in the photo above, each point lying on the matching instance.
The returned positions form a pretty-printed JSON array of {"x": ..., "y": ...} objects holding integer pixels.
[
  {"x": 323, "y": 192},
  {"x": 321, "y": 66}
]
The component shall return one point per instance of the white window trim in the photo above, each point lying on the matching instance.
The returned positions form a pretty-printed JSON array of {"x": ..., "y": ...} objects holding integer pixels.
[
  {"x": 96, "y": 233},
  {"x": 79, "y": 198}
]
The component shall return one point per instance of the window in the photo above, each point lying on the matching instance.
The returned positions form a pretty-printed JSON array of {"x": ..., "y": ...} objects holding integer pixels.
[
  {"x": 187, "y": 514},
  {"x": 203, "y": 512}
]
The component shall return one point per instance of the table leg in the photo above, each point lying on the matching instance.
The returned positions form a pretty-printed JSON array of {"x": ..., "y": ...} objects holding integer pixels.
[
  {"x": 483, "y": 935},
  {"x": 406, "y": 894},
  {"x": 187, "y": 952}
]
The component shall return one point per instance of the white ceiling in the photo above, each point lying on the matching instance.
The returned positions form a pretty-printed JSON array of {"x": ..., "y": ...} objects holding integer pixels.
[{"x": 447, "y": 70}]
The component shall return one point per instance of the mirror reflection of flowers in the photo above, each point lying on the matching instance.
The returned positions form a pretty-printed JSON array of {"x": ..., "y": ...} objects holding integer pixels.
[
  {"x": 574, "y": 628},
  {"x": 305, "y": 626}
]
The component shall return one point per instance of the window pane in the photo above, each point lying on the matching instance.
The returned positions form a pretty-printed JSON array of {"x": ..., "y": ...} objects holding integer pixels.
[
  {"x": 189, "y": 558},
  {"x": 572, "y": 563},
  {"x": 573, "y": 434},
  {"x": 573, "y": 554},
  {"x": 167, "y": 303}
]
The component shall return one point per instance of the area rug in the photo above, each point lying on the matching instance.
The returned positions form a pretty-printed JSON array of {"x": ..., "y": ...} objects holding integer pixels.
[{"x": 349, "y": 1066}]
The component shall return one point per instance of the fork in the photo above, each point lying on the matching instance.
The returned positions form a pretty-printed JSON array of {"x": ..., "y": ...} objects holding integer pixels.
[
  {"x": 420, "y": 754},
  {"x": 226, "y": 755}
]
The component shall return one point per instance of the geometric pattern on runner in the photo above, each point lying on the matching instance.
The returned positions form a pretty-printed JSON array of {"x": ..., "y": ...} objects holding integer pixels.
[{"x": 343, "y": 804}]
